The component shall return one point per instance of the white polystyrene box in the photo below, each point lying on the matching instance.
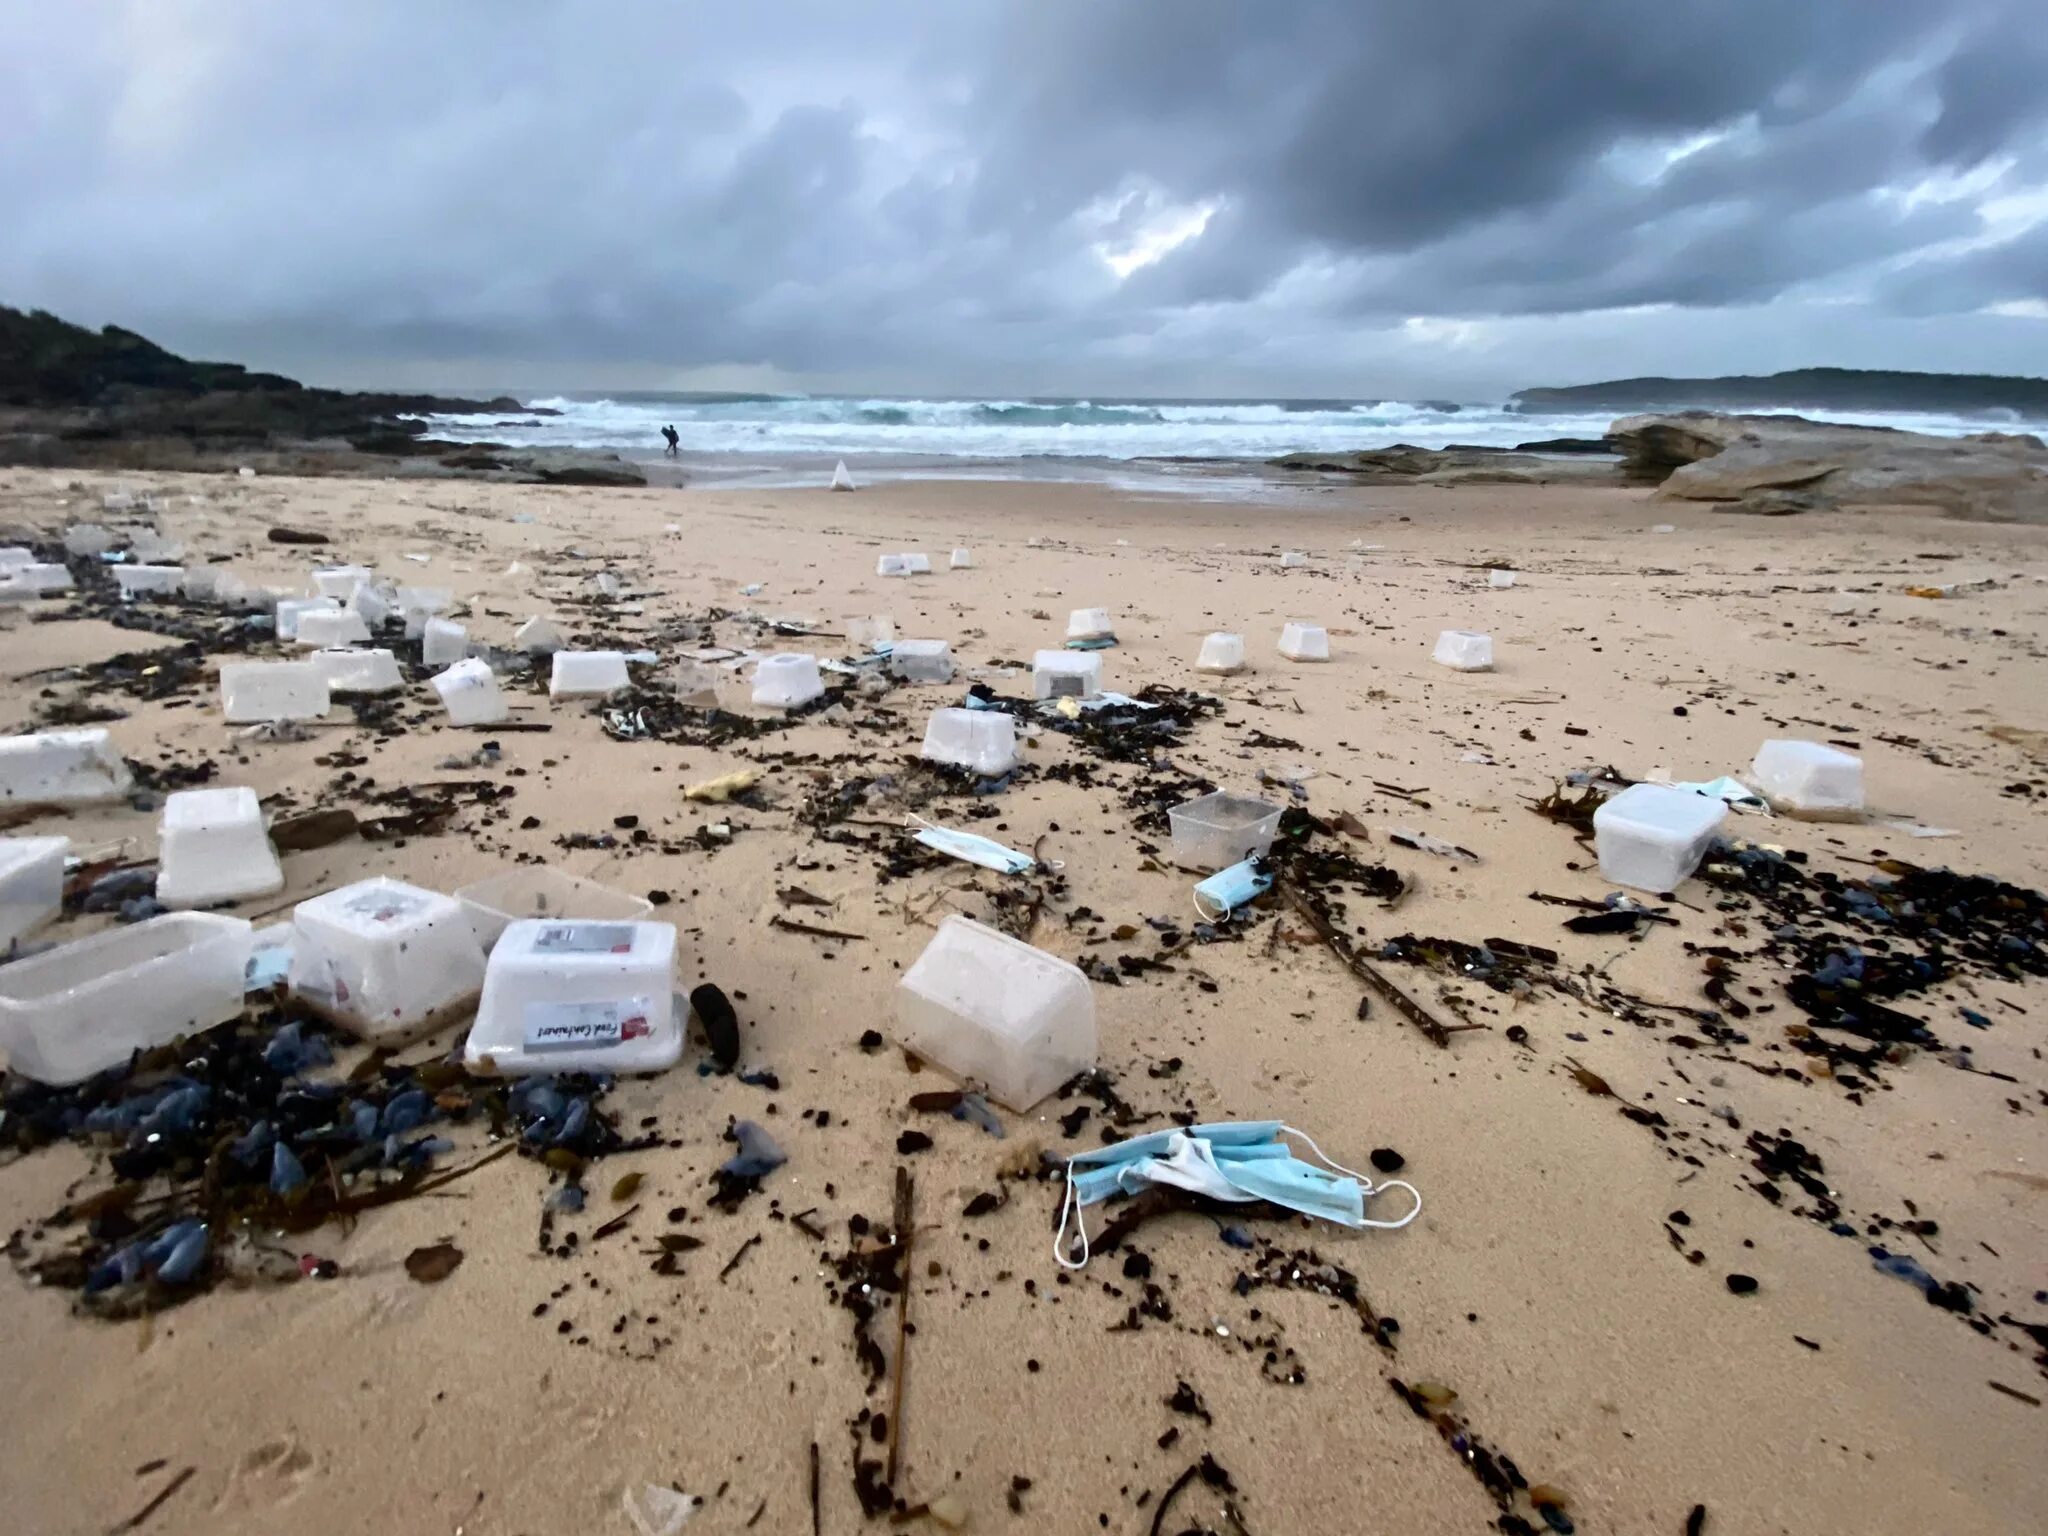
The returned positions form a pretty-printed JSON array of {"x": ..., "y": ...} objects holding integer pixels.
[
  {"x": 577, "y": 997},
  {"x": 921, "y": 661},
  {"x": 78, "y": 767},
  {"x": 1651, "y": 837},
  {"x": 254, "y": 691},
  {"x": 982, "y": 740},
  {"x": 1066, "y": 674},
  {"x": 1809, "y": 778},
  {"x": 1464, "y": 650},
  {"x": 787, "y": 680},
  {"x": 358, "y": 671},
  {"x": 1222, "y": 653},
  {"x": 469, "y": 692},
  {"x": 588, "y": 674},
  {"x": 1304, "y": 642},
  {"x": 213, "y": 848},
  {"x": 385, "y": 959},
  {"x": 31, "y": 884},
  {"x": 996, "y": 1012},
  {"x": 89, "y": 1005}
]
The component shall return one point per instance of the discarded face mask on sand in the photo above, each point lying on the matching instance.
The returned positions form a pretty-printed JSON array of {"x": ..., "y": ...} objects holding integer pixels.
[
  {"x": 985, "y": 851},
  {"x": 1237, "y": 1161}
]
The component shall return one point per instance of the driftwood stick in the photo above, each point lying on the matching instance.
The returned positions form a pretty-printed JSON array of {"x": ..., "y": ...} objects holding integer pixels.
[
  {"x": 1366, "y": 972},
  {"x": 906, "y": 1230}
]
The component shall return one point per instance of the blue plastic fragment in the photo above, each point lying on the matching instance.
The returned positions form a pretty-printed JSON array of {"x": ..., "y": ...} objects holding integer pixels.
[{"x": 758, "y": 1153}]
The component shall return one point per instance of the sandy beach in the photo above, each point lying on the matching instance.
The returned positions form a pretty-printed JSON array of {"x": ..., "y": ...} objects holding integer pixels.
[{"x": 1548, "y": 1282}]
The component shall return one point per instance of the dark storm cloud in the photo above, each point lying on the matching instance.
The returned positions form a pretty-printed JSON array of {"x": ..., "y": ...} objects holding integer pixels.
[{"x": 982, "y": 196}]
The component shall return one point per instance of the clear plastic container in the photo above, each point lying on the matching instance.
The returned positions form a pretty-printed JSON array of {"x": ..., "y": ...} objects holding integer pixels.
[
  {"x": 374, "y": 604},
  {"x": 90, "y": 1005},
  {"x": 255, "y": 691},
  {"x": 1464, "y": 650},
  {"x": 921, "y": 661},
  {"x": 31, "y": 884},
  {"x": 535, "y": 891},
  {"x": 577, "y": 997},
  {"x": 419, "y": 604},
  {"x": 148, "y": 548},
  {"x": 291, "y": 609},
  {"x": 14, "y": 556},
  {"x": 588, "y": 674},
  {"x": 537, "y": 637},
  {"x": 386, "y": 960},
  {"x": 1293, "y": 560},
  {"x": 148, "y": 580},
  {"x": 915, "y": 564},
  {"x": 77, "y": 767},
  {"x": 201, "y": 583},
  {"x": 866, "y": 634},
  {"x": 1222, "y": 653},
  {"x": 842, "y": 478},
  {"x": 85, "y": 541},
  {"x": 329, "y": 629},
  {"x": 1652, "y": 837},
  {"x": 995, "y": 1012},
  {"x": 213, "y": 848},
  {"x": 43, "y": 579},
  {"x": 443, "y": 642},
  {"x": 982, "y": 740},
  {"x": 962, "y": 560},
  {"x": 339, "y": 581},
  {"x": 1300, "y": 641},
  {"x": 1089, "y": 624},
  {"x": 787, "y": 680},
  {"x": 363, "y": 671},
  {"x": 892, "y": 565},
  {"x": 1810, "y": 779},
  {"x": 1220, "y": 830},
  {"x": 1066, "y": 674},
  {"x": 469, "y": 692},
  {"x": 1500, "y": 580}
]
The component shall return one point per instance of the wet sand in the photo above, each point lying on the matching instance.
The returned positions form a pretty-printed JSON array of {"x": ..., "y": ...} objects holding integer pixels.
[{"x": 1541, "y": 1282}]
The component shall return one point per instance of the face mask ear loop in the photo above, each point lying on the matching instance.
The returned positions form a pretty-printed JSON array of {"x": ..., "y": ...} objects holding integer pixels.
[
  {"x": 1070, "y": 1204},
  {"x": 1364, "y": 1183}
]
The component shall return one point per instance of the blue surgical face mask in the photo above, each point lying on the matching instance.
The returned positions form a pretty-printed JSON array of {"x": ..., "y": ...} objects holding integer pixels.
[
  {"x": 1228, "y": 889},
  {"x": 986, "y": 852},
  {"x": 1231, "y": 1161}
]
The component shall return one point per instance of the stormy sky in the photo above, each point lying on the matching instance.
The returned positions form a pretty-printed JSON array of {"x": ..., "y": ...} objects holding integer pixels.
[{"x": 1184, "y": 197}]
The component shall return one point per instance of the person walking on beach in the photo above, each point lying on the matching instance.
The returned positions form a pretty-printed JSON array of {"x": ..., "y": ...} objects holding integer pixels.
[{"x": 673, "y": 440}]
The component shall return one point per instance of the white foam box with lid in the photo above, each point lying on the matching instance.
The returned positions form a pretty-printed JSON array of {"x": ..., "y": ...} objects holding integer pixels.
[
  {"x": 787, "y": 680},
  {"x": 1464, "y": 650},
  {"x": 213, "y": 847},
  {"x": 89, "y": 1005},
  {"x": 255, "y": 691},
  {"x": 1089, "y": 624},
  {"x": 148, "y": 580},
  {"x": 1808, "y": 778},
  {"x": 443, "y": 642},
  {"x": 921, "y": 661},
  {"x": 328, "y": 628},
  {"x": 996, "y": 1012},
  {"x": 983, "y": 741},
  {"x": 384, "y": 959},
  {"x": 497, "y": 901},
  {"x": 363, "y": 671},
  {"x": 1221, "y": 652},
  {"x": 1304, "y": 642},
  {"x": 1066, "y": 674},
  {"x": 577, "y": 997},
  {"x": 1651, "y": 837},
  {"x": 291, "y": 609},
  {"x": 1221, "y": 829},
  {"x": 31, "y": 884},
  {"x": 588, "y": 674},
  {"x": 469, "y": 692},
  {"x": 77, "y": 767}
]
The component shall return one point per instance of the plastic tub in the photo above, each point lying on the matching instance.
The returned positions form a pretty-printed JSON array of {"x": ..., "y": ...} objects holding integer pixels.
[
  {"x": 31, "y": 884},
  {"x": 419, "y": 604},
  {"x": 339, "y": 581},
  {"x": 469, "y": 692},
  {"x": 892, "y": 565},
  {"x": 90, "y": 1005},
  {"x": 364, "y": 671},
  {"x": 256, "y": 691},
  {"x": 148, "y": 548},
  {"x": 525, "y": 891},
  {"x": 42, "y": 580},
  {"x": 577, "y": 997},
  {"x": 921, "y": 661},
  {"x": 983, "y": 741},
  {"x": 1221, "y": 653},
  {"x": 443, "y": 642},
  {"x": 201, "y": 583},
  {"x": 1500, "y": 580},
  {"x": 997, "y": 1012},
  {"x": 213, "y": 848},
  {"x": 386, "y": 960},
  {"x": 962, "y": 560},
  {"x": 1652, "y": 837},
  {"x": 62, "y": 768},
  {"x": 787, "y": 680},
  {"x": 866, "y": 634},
  {"x": 1304, "y": 642},
  {"x": 1464, "y": 650},
  {"x": 291, "y": 609},
  {"x": 148, "y": 580},
  {"x": 537, "y": 637},
  {"x": 1089, "y": 624},
  {"x": 85, "y": 541},
  {"x": 1293, "y": 560},
  {"x": 1221, "y": 829},
  {"x": 588, "y": 674},
  {"x": 15, "y": 556},
  {"x": 1807, "y": 778},
  {"x": 327, "y": 629},
  {"x": 1066, "y": 674}
]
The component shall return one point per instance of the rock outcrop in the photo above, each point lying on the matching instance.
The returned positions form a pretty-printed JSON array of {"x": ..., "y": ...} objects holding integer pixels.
[
  {"x": 1404, "y": 464},
  {"x": 1745, "y": 460}
]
